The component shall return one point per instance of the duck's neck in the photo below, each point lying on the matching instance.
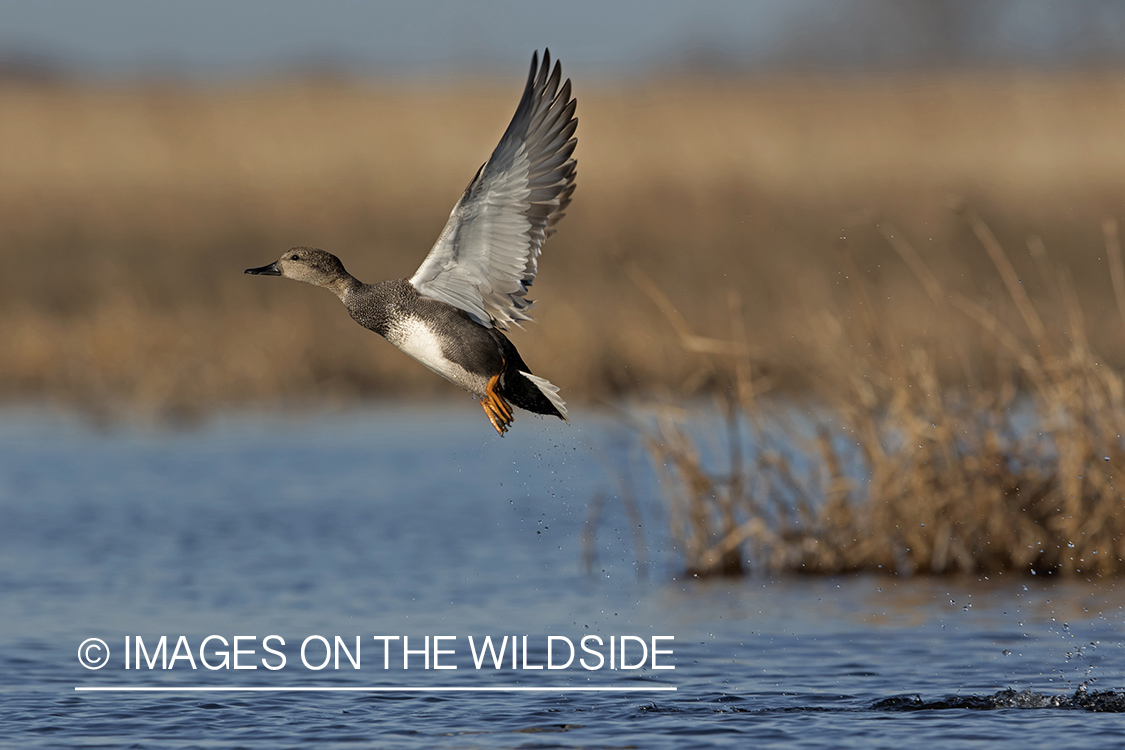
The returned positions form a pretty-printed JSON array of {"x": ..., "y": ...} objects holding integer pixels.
[{"x": 341, "y": 285}]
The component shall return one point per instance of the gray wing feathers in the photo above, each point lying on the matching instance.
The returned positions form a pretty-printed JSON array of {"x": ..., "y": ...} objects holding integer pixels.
[{"x": 488, "y": 254}]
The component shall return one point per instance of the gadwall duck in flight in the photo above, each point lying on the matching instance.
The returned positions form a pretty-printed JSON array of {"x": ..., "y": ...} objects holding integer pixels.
[{"x": 451, "y": 313}]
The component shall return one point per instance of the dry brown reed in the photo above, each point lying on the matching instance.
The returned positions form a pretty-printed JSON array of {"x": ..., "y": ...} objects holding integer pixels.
[
  {"x": 127, "y": 213},
  {"x": 895, "y": 468}
]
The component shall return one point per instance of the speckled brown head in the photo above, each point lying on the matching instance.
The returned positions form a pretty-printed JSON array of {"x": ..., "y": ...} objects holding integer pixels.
[{"x": 310, "y": 265}]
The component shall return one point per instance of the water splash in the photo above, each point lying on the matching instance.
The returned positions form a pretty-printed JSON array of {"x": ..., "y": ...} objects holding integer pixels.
[{"x": 1100, "y": 701}]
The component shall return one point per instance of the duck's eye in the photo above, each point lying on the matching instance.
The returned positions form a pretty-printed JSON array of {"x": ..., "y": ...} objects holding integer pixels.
[{"x": 294, "y": 257}]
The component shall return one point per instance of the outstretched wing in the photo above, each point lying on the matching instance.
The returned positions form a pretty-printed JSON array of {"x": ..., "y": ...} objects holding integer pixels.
[{"x": 488, "y": 253}]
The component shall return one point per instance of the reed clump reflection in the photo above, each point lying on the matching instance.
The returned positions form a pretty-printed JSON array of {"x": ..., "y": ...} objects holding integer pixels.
[{"x": 895, "y": 467}]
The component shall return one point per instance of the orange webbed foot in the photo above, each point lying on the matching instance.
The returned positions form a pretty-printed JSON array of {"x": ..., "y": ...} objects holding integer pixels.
[{"x": 497, "y": 410}]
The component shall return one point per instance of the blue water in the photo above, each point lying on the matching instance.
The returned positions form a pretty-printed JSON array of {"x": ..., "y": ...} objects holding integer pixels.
[{"x": 422, "y": 522}]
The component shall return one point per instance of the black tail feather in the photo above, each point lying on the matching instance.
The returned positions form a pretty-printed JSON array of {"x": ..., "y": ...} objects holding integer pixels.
[{"x": 517, "y": 388}]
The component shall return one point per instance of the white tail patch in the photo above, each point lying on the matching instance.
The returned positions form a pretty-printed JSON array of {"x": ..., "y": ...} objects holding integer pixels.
[{"x": 550, "y": 390}]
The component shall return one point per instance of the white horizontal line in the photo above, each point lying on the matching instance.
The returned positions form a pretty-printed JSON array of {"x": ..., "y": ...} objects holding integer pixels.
[{"x": 379, "y": 689}]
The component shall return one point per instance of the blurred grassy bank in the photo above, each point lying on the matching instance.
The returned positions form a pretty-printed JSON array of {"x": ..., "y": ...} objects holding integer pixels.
[{"x": 127, "y": 214}]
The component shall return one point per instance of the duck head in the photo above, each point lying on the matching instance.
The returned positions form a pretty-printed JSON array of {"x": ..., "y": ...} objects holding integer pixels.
[{"x": 310, "y": 265}]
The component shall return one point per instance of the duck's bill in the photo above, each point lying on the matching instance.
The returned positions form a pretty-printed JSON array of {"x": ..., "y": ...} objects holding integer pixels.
[{"x": 270, "y": 270}]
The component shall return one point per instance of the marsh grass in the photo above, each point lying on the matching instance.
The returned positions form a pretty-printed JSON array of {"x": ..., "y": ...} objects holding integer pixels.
[
  {"x": 892, "y": 466},
  {"x": 958, "y": 419},
  {"x": 128, "y": 212}
]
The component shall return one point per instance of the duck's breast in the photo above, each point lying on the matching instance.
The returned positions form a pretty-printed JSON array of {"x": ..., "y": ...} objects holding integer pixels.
[{"x": 423, "y": 341}]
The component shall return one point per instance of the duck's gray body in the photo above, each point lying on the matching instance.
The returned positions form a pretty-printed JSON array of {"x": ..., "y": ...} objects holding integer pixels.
[
  {"x": 449, "y": 316},
  {"x": 440, "y": 336}
]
